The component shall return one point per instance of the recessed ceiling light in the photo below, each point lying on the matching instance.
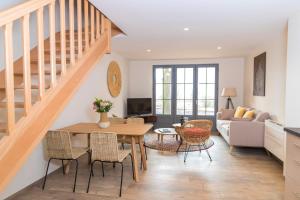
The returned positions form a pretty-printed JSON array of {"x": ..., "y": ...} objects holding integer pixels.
[
  {"x": 186, "y": 29},
  {"x": 148, "y": 50},
  {"x": 219, "y": 48}
]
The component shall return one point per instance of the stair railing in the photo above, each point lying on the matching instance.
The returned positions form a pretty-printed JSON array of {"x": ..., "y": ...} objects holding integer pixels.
[{"x": 95, "y": 25}]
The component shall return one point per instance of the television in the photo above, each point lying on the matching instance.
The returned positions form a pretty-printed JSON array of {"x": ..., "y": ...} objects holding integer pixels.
[{"x": 139, "y": 106}]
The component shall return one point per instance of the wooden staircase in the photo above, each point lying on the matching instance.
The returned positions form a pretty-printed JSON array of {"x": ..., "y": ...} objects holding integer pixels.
[{"x": 35, "y": 88}]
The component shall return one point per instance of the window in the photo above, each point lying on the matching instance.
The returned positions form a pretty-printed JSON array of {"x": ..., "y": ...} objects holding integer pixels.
[
  {"x": 163, "y": 91},
  {"x": 206, "y": 91},
  {"x": 184, "y": 91}
]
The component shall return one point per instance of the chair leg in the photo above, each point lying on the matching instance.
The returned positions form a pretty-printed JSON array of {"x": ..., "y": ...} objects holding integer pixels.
[
  {"x": 187, "y": 149},
  {"x": 146, "y": 152},
  {"x": 177, "y": 150},
  {"x": 45, "y": 178},
  {"x": 114, "y": 165},
  {"x": 102, "y": 169},
  {"x": 132, "y": 166},
  {"x": 63, "y": 166},
  {"x": 200, "y": 149},
  {"x": 141, "y": 165},
  {"x": 123, "y": 147},
  {"x": 120, "y": 194},
  {"x": 75, "y": 175},
  {"x": 90, "y": 157},
  {"x": 91, "y": 172},
  {"x": 207, "y": 151}
]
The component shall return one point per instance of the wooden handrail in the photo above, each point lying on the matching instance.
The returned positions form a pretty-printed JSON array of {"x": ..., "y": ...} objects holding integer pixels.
[{"x": 21, "y": 10}]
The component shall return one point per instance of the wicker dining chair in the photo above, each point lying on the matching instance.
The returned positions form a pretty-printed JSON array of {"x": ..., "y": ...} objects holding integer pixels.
[
  {"x": 59, "y": 147},
  {"x": 127, "y": 140},
  {"x": 104, "y": 149},
  {"x": 117, "y": 120},
  {"x": 195, "y": 137}
]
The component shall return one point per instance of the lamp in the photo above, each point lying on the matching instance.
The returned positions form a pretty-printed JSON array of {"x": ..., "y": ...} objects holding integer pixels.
[{"x": 229, "y": 92}]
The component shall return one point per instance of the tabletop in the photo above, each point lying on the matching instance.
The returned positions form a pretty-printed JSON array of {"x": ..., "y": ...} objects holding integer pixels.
[{"x": 120, "y": 129}]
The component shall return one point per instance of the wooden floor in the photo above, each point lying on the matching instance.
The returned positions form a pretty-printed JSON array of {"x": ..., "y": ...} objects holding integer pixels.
[{"x": 247, "y": 174}]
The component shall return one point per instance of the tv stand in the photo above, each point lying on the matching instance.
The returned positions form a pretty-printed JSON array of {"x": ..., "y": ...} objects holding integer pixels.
[{"x": 148, "y": 118}]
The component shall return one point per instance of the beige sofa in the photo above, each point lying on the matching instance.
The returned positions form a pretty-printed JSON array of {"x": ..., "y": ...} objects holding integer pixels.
[{"x": 241, "y": 132}]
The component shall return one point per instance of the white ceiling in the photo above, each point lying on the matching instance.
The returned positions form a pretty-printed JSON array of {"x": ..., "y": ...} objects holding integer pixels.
[{"x": 238, "y": 26}]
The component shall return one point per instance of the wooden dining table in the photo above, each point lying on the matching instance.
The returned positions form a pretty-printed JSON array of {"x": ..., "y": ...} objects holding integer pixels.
[{"x": 135, "y": 131}]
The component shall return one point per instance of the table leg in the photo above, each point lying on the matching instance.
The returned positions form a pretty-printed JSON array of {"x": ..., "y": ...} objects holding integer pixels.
[
  {"x": 135, "y": 165},
  {"x": 142, "y": 148},
  {"x": 158, "y": 137},
  {"x": 162, "y": 139},
  {"x": 89, "y": 145},
  {"x": 67, "y": 166}
]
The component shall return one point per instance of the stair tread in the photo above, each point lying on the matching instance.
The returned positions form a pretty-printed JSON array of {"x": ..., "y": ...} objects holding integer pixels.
[
  {"x": 3, "y": 127},
  {"x": 17, "y": 104},
  {"x": 34, "y": 70},
  {"x": 47, "y": 86}
]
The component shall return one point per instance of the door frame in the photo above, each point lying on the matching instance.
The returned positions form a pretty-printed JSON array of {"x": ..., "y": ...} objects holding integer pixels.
[{"x": 168, "y": 120}]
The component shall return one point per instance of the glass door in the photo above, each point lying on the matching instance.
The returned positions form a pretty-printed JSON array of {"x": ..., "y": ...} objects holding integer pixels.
[
  {"x": 185, "y": 90},
  {"x": 207, "y": 92}
]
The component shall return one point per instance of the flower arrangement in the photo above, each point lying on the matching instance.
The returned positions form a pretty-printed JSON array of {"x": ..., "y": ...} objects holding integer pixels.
[{"x": 102, "y": 106}]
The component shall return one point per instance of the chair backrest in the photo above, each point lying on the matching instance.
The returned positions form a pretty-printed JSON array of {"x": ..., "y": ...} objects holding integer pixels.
[
  {"x": 59, "y": 144},
  {"x": 104, "y": 146},
  {"x": 206, "y": 124},
  {"x": 117, "y": 120},
  {"x": 135, "y": 120}
]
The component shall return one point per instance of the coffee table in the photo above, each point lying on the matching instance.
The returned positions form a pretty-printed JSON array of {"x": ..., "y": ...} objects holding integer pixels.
[{"x": 161, "y": 132}]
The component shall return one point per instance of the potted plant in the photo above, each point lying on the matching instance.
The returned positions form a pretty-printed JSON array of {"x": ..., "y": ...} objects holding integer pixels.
[{"x": 102, "y": 107}]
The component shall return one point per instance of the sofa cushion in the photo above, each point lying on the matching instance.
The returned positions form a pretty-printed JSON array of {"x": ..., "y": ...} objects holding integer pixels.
[
  {"x": 262, "y": 116},
  {"x": 241, "y": 119},
  {"x": 227, "y": 114},
  {"x": 240, "y": 111},
  {"x": 196, "y": 132},
  {"x": 249, "y": 114}
]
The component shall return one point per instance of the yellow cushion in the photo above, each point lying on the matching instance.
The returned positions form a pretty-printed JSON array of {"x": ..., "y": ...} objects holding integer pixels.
[
  {"x": 249, "y": 114},
  {"x": 240, "y": 111}
]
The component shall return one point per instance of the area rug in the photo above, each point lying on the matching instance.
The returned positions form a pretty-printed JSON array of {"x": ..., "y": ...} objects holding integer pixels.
[{"x": 170, "y": 144}]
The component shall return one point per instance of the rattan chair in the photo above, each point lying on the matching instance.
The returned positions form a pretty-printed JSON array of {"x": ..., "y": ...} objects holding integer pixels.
[
  {"x": 195, "y": 140},
  {"x": 127, "y": 140},
  {"x": 59, "y": 147},
  {"x": 104, "y": 149},
  {"x": 117, "y": 120}
]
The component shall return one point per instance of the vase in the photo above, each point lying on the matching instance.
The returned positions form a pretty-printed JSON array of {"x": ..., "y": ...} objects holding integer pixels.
[{"x": 104, "y": 121}]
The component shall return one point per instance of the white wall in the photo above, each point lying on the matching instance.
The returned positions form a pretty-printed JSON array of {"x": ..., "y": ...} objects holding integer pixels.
[
  {"x": 78, "y": 110},
  {"x": 231, "y": 74},
  {"x": 274, "y": 100},
  {"x": 292, "y": 100}
]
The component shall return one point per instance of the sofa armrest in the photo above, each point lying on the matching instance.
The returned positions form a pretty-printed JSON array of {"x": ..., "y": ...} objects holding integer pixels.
[
  {"x": 244, "y": 133},
  {"x": 219, "y": 115}
]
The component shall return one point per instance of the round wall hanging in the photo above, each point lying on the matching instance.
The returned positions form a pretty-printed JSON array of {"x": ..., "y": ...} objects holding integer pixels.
[{"x": 114, "y": 79}]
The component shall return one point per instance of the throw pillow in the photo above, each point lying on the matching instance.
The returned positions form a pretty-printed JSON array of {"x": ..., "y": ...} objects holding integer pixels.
[
  {"x": 226, "y": 114},
  {"x": 240, "y": 119},
  {"x": 240, "y": 111},
  {"x": 262, "y": 116},
  {"x": 249, "y": 114}
]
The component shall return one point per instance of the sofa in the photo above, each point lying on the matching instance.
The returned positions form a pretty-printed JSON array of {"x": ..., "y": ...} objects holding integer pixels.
[{"x": 242, "y": 132}]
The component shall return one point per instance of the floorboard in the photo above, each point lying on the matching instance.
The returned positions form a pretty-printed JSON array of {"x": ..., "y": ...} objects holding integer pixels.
[{"x": 246, "y": 174}]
